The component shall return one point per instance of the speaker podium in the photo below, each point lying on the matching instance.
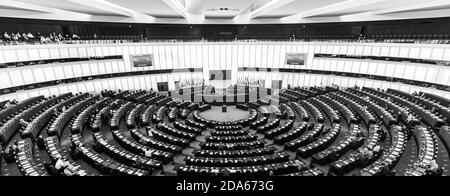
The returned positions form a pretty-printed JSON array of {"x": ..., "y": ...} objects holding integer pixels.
[{"x": 224, "y": 108}]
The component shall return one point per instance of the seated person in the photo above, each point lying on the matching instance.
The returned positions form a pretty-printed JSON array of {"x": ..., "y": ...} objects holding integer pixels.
[
  {"x": 51, "y": 169},
  {"x": 376, "y": 150},
  {"x": 71, "y": 171},
  {"x": 30, "y": 35},
  {"x": 60, "y": 165},
  {"x": 9, "y": 152},
  {"x": 148, "y": 153},
  {"x": 7, "y": 36},
  {"x": 14, "y": 102},
  {"x": 139, "y": 162},
  {"x": 434, "y": 168},
  {"x": 40, "y": 142},
  {"x": 24, "y": 123}
]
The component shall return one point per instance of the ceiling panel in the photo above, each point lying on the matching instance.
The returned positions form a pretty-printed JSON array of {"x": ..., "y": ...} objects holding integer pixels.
[
  {"x": 70, "y": 6},
  {"x": 298, "y": 6},
  {"x": 3, "y": 7},
  {"x": 155, "y": 8},
  {"x": 225, "y": 11}
]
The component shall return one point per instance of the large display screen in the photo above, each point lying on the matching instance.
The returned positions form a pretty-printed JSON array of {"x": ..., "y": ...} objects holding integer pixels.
[
  {"x": 220, "y": 75},
  {"x": 142, "y": 60},
  {"x": 296, "y": 58}
]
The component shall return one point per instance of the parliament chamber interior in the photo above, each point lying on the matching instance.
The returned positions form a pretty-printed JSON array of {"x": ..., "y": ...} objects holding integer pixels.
[{"x": 224, "y": 88}]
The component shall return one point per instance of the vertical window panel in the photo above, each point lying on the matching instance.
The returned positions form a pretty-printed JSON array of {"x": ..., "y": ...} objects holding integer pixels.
[
  {"x": 33, "y": 54},
  {"x": 49, "y": 74},
  {"x": 39, "y": 75},
  {"x": 5, "y": 81},
  {"x": 44, "y": 53},
  {"x": 59, "y": 72}
]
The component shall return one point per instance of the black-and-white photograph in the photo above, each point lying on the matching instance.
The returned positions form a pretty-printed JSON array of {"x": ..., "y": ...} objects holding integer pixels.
[{"x": 228, "y": 89}]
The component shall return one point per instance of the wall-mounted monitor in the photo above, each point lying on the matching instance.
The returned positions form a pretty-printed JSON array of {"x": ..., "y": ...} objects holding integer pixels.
[
  {"x": 296, "y": 58},
  {"x": 142, "y": 60},
  {"x": 220, "y": 75},
  {"x": 163, "y": 86}
]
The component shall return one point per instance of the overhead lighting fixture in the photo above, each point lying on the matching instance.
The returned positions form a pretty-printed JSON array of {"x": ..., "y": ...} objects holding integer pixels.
[{"x": 113, "y": 8}]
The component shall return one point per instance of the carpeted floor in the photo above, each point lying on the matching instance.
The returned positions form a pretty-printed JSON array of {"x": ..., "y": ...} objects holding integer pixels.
[{"x": 231, "y": 115}]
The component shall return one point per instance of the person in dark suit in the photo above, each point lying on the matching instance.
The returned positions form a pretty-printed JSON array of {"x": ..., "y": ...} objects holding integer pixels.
[{"x": 51, "y": 169}]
